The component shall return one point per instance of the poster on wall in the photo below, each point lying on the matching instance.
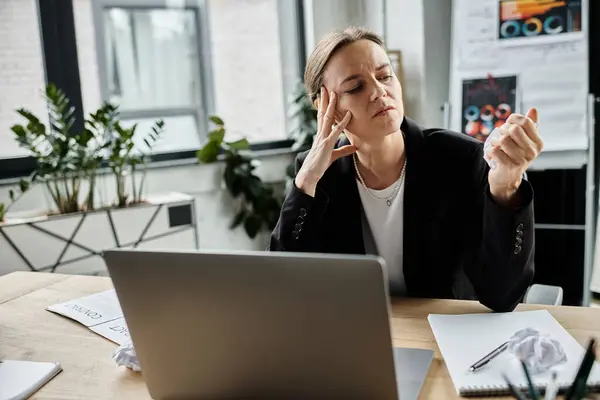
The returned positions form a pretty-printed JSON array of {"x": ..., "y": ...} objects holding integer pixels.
[
  {"x": 527, "y": 22},
  {"x": 486, "y": 104}
]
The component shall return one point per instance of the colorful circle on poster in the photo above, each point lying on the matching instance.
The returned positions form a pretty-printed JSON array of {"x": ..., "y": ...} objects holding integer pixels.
[
  {"x": 510, "y": 29},
  {"x": 471, "y": 113},
  {"x": 503, "y": 111},
  {"x": 487, "y": 113},
  {"x": 472, "y": 128},
  {"x": 532, "y": 27},
  {"x": 486, "y": 128},
  {"x": 553, "y": 25}
]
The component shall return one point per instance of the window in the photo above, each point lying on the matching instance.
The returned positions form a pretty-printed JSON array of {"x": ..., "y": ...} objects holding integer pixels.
[
  {"x": 177, "y": 60},
  {"x": 150, "y": 64},
  {"x": 185, "y": 60}
]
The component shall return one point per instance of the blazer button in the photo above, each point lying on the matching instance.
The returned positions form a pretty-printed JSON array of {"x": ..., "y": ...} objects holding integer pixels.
[
  {"x": 297, "y": 228},
  {"x": 520, "y": 235},
  {"x": 519, "y": 228},
  {"x": 518, "y": 249},
  {"x": 303, "y": 212}
]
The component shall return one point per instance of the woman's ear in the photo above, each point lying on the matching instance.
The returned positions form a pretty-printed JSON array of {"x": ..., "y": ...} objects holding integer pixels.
[{"x": 316, "y": 103}]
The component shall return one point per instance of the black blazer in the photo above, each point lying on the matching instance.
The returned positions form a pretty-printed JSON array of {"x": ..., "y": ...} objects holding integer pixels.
[{"x": 458, "y": 243}]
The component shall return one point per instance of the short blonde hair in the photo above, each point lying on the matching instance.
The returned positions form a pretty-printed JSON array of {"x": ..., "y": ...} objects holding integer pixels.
[{"x": 325, "y": 49}]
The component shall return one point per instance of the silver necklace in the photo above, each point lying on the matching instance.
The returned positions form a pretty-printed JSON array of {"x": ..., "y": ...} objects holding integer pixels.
[{"x": 397, "y": 185}]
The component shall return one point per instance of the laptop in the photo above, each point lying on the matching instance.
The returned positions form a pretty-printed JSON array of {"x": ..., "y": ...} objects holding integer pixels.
[{"x": 245, "y": 324}]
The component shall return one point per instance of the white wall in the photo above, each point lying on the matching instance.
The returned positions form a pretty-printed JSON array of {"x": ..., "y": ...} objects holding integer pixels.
[
  {"x": 421, "y": 31},
  {"x": 21, "y": 68},
  {"x": 437, "y": 16},
  {"x": 323, "y": 16}
]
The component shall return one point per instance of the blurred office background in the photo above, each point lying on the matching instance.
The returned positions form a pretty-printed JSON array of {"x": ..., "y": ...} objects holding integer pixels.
[{"x": 184, "y": 61}]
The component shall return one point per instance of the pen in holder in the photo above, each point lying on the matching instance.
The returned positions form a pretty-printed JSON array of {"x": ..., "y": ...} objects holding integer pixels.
[{"x": 576, "y": 391}]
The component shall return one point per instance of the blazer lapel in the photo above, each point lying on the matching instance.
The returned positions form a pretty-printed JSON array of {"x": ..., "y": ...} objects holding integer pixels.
[
  {"x": 413, "y": 144},
  {"x": 348, "y": 206}
]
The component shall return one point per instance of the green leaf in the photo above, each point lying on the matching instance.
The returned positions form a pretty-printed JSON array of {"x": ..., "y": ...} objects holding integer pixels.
[
  {"x": 217, "y": 135},
  {"x": 241, "y": 144},
  {"x": 239, "y": 218},
  {"x": 2, "y": 211},
  {"x": 216, "y": 120},
  {"x": 19, "y": 131},
  {"x": 236, "y": 186},
  {"x": 252, "y": 225},
  {"x": 209, "y": 152},
  {"x": 23, "y": 185},
  {"x": 11, "y": 195},
  {"x": 255, "y": 187}
]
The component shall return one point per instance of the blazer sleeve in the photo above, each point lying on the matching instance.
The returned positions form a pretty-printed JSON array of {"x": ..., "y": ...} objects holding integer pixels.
[
  {"x": 501, "y": 245},
  {"x": 299, "y": 227}
]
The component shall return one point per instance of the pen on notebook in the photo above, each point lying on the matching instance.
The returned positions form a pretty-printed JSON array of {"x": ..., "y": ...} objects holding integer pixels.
[{"x": 489, "y": 357}]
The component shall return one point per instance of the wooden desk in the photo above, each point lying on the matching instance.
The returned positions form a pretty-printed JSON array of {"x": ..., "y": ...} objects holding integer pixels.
[{"x": 29, "y": 332}]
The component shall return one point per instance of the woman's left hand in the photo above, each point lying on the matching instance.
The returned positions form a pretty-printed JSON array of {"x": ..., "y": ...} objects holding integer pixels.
[{"x": 518, "y": 145}]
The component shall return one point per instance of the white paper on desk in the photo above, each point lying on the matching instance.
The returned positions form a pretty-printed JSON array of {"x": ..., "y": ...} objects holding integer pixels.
[
  {"x": 100, "y": 312},
  {"x": 464, "y": 339},
  {"x": 115, "y": 330},
  {"x": 91, "y": 310}
]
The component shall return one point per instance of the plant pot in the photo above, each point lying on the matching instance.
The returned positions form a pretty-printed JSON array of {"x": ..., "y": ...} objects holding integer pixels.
[{"x": 73, "y": 243}]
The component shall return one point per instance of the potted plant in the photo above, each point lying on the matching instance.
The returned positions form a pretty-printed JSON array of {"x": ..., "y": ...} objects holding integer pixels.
[
  {"x": 68, "y": 164},
  {"x": 63, "y": 159},
  {"x": 258, "y": 206},
  {"x": 123, "y": 158}
]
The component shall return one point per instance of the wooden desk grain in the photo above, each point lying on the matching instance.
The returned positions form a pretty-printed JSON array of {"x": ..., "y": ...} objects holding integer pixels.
[{"x": 29, "y": 332}]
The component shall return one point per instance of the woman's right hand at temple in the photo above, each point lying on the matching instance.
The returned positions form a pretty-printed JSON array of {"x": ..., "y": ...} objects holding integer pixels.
[{"x": 322, "y": 153}]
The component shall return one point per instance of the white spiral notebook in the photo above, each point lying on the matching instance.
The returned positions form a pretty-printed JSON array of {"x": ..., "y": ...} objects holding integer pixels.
[{"x": 464, "y": 339}]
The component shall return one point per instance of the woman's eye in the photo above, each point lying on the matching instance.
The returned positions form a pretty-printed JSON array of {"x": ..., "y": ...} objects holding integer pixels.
[
  {"x": 355, "y": 90},
  {"x": 386, "y": 78}
]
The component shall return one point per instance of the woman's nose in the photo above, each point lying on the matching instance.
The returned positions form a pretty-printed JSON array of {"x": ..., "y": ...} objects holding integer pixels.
[{"x": 377, "y": 91}]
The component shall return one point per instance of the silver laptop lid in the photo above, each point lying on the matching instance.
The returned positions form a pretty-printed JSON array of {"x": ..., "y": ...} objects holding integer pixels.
[{"x": 257, "y": 324}]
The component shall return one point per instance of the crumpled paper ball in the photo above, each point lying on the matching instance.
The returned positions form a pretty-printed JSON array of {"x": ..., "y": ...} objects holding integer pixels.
[
  {"x": 539, "y": 352},
  {"x": 496, "y": 133},
  {"x": 125, "y": 355}
]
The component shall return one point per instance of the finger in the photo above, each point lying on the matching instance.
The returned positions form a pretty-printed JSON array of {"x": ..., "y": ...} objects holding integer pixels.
[
  {"x": 339, "y": 128},
  {"x": 524, "y": 142},
  {"x": 322, "y": 104},
  {"x": 343, "y": 152},
  {"x": 329, "y": 115},
  {"x": 525, "y": 122},
  {"x": 500, "y": 157},
  {"x": 507, "y": 143},
  {"x": 533, "y": 115},
  {"x": 530, "y": 124}
]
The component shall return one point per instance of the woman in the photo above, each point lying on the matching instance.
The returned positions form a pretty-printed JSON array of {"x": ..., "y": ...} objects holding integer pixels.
[{"x": 425, "y": 200}]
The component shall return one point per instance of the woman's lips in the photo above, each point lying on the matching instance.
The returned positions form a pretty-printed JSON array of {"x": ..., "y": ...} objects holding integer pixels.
[{"x": 384, "y": 111}]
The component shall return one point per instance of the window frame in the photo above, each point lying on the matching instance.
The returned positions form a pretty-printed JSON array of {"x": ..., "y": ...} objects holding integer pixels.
[
  {"x": 205, "y": 75},
  {"x": 293, "y": 64}
]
